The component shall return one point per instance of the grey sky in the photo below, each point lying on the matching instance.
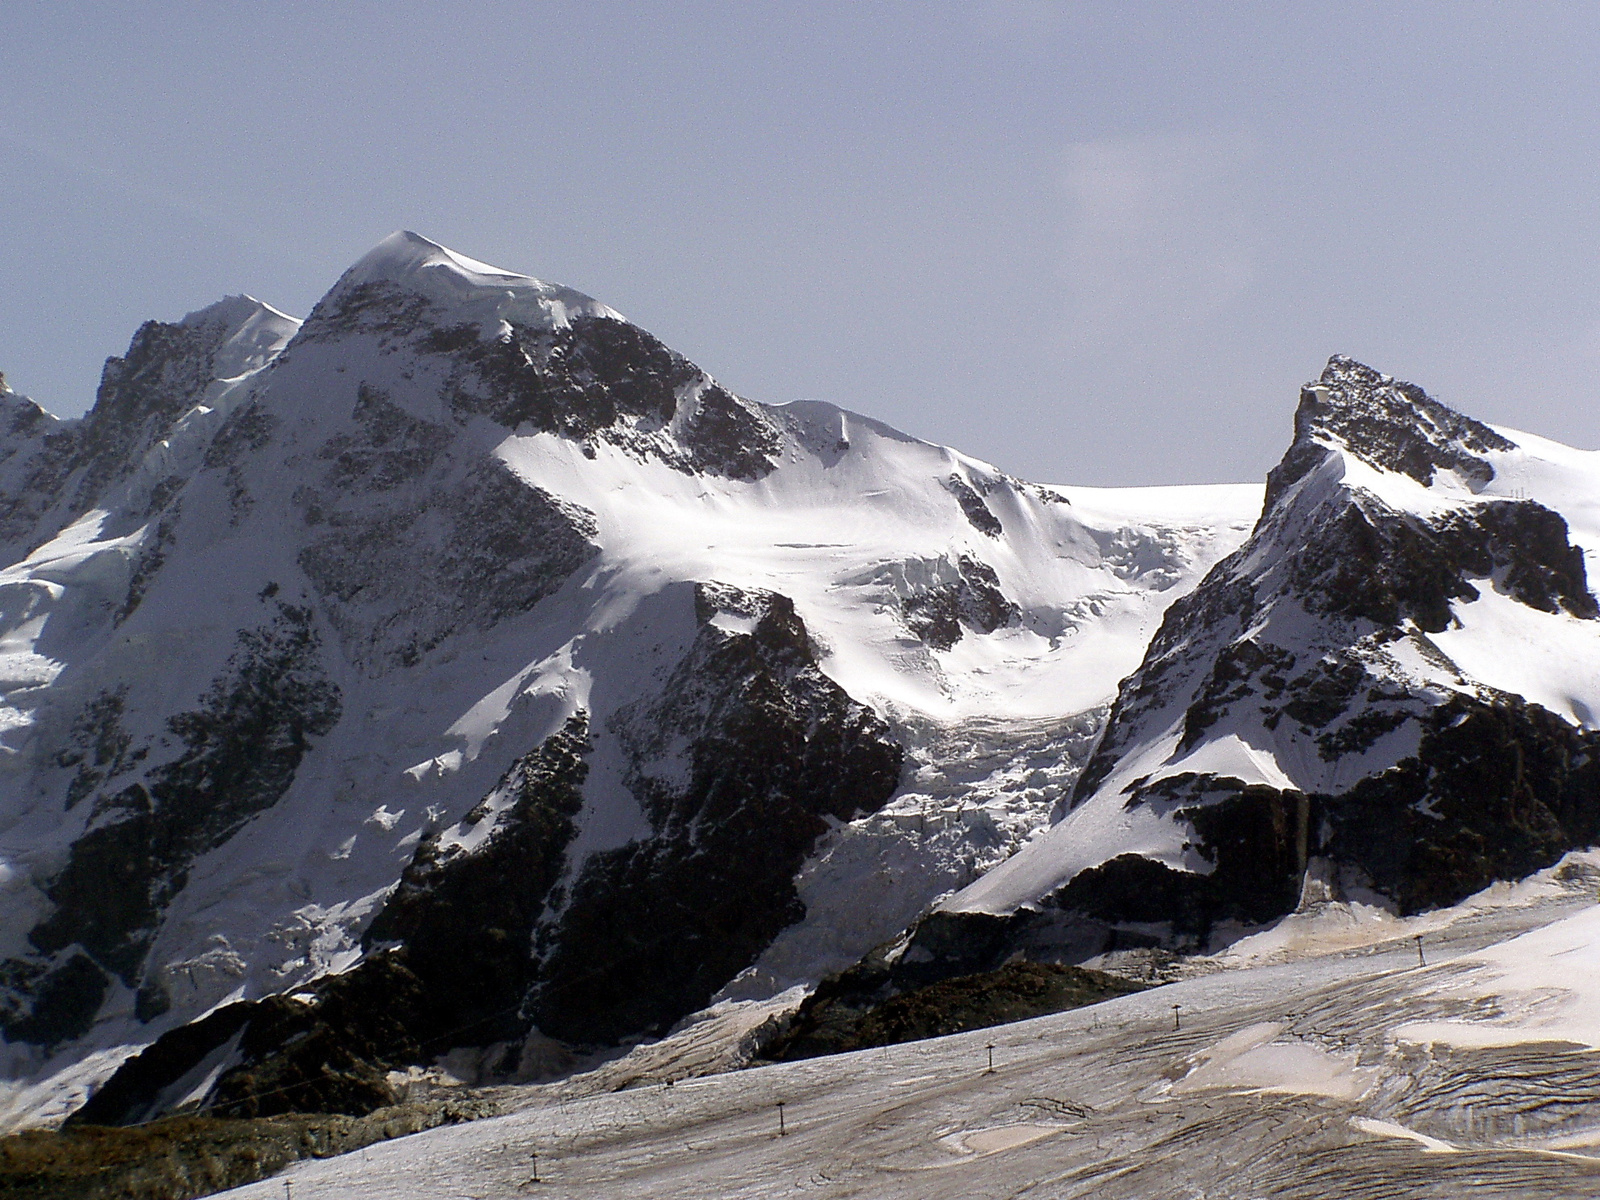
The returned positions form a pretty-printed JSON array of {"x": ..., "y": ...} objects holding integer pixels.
[{"x": 1092, "y": 243}]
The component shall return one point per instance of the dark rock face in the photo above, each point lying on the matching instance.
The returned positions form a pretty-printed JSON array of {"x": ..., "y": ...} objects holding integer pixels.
[
  {"x": 838, "y": 1018},
  {"x": 248, "y": 430},
  {"x": 1369, "y": 562},
  {"x": 977, "y": 512},
  {"x": 36, "y": 457},
  {"x": 940, "y": 615},
  {"x": 391, "y": 447},
  {"x": 577, "y": 381},
  {"x": 129, "y": 1096},
  {"x": 329, "y": 1055},
  {"x": 725, "y": 436},
  {"x": 399, "y": 577},
  {"x": 1312, "y": 642},
  {"x": 476, "y": 946},
  {"x": 412, "y": 533},
  {"x": 386, "y": 565},
  {"x": 1495, "y": 788},
  {"x": 773, "y": 747},
  {"x": 601, "y": 378},
  {"x": 380, "y": 309},
  {"x": 955, "y": 969},
  {"x": 1173, "y": 663},
  {"x": 53, "y": 471},
  {"x": 64, "y": 999},
  {"x": 285, "y": 1054},
  {"x": 239, "y": 753},
  {"x": 1256, "y": 841},
  {"x": 591, "y": 378},
  {"x": 152, "y": 556},
  {"x": 449, "y": 963},
  {"x": 1391, "y": 424},
  {"x": 1370, "y": 570},
  {"x": 236, "y": 753},
  {"x": 100, "y": 748},
  {"x": 162, "y": 376},
  {"x": 466, "y": 920},
  {"x": 941, "y": 946}
]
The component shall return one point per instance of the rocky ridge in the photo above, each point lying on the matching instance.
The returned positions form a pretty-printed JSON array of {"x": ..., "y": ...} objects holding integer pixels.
[{"x": 1299, "y": 730}]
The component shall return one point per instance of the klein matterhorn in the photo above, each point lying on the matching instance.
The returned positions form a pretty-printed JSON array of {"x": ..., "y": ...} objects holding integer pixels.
[{"x": 462, "y": 671}]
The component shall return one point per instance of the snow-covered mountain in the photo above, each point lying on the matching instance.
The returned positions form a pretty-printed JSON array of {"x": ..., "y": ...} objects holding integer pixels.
[
  {"x": 462, "y": 661},
  {"x": 1389, "y": 693},
  {"x": 463, "y": 668}
]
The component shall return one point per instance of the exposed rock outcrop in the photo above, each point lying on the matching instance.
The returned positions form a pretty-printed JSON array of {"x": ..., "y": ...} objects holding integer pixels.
[{"x": 1296, "y": 711}]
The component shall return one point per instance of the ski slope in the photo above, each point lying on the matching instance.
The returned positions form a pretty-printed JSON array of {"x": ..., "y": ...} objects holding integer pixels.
[{"x": 1317, "y": 1059}]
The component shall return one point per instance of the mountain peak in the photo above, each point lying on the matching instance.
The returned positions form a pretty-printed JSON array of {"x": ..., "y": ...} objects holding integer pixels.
[
  {"x": 231, "y": 312},
  {"x": 464, "y": 285},
  {"x": 404, "y": 254},
  {"x": 243, "y": 333},
  {"x": 1386, "y": 423}
]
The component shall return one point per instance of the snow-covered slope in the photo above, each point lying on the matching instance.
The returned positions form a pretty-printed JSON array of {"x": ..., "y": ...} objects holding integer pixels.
[
  {"x": 467, "y": 637},
  {"x": 1327, "y": 1064},
  {"x": 1390, "y": 691}
]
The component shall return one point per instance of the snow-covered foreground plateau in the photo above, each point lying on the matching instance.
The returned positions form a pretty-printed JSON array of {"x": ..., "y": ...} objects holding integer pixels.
[{"x": 1332, "y": 1055}]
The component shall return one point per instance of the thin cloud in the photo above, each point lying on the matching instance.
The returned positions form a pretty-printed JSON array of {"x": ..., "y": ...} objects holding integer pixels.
[
  {"x": 1012, "y": 20},
  {"x": 82, "y": 168},
  {"x": 1156, "y": 239}
]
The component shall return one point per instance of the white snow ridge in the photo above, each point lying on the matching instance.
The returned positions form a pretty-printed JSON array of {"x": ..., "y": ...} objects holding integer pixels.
[{"x": 460, "y": 688}]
